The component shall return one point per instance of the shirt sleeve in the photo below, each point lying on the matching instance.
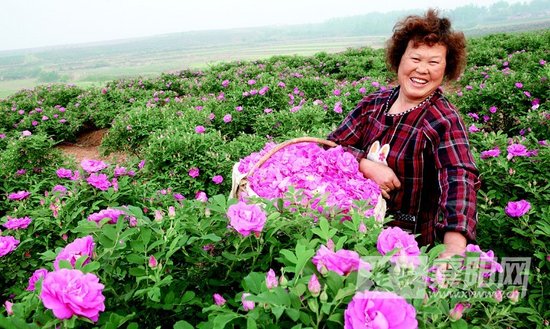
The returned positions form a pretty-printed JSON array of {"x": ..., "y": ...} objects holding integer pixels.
[
  {"x": 348, "y": 134},
  {"x": 457, "y": 175}
]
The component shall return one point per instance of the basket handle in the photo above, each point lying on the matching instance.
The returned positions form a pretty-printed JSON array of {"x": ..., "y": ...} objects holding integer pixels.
[{"x": 285, "y": 144}]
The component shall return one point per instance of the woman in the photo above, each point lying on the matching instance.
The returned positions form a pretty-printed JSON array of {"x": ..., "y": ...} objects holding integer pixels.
[{"x": 430, "y": 180}]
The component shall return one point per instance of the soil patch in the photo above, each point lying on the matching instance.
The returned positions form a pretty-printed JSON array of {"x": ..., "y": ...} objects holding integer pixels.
[{"x": 87, "y": 147}]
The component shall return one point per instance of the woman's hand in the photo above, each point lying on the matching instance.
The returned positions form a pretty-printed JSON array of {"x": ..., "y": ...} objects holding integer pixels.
[
  {"x": 381, "y": 175},
  {"x": 455, "y": 244}
]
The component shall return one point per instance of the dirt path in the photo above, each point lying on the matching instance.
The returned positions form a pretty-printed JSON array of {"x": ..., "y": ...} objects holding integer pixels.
[{"x": 87, "y": 147}]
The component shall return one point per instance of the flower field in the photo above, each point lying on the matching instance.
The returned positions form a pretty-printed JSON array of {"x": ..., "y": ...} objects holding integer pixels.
[{"x": 156, "y": 241}]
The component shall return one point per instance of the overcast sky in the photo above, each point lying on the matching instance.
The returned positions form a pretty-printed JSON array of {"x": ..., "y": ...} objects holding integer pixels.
[{"x": 37, "y": 23}]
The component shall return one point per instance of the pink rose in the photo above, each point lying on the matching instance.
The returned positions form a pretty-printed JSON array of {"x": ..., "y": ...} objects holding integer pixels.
[
  {"x": 342, "y": 261},
  {"x": 247, "y": 304},
  {"x": 71, "y": 292},
  {"x": 91, "y": 166},
  {"x": 517, "y": 208},
  {"x": 37, "y": 275},
  {"x": 490, "y": 153},
  {"x": 218, "y": 179},
  {"x": 379, "y": 310},
  {"x": 99, "y": 181},
  {"x": 271, "y": 280},
  {"x": 246, "y": 218},
  {"x": 314, "y": 286},
  {"x": 112, "y": 214},
  {"x": 20, "y": 195},
  {"x": 17, "y": 223},
  {"x": 218, "y": 299},
  {"x": 393, "y": 238},
  {"x": 64, "y": 173},
  {"x": 517, "y": 150},
  {"x": 194, "y": 172},
  {"x": 199, "y": 129},
  {"x": 76, "y": 249},
  {"x": 7, "y": 244}
]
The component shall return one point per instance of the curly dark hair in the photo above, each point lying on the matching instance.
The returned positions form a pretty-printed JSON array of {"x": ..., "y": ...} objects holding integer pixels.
[{"x": 429, "y": 30}]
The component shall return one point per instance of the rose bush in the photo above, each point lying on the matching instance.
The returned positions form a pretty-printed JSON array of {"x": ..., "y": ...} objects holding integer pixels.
[{"x": 159, "y": 238}]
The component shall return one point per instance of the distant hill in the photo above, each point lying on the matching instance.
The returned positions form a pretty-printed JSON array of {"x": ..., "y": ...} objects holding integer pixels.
[{"x": 98, "y": 62}]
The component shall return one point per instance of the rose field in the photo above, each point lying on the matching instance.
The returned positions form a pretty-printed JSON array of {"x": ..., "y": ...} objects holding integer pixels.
[{"x": 152, "y": 239}]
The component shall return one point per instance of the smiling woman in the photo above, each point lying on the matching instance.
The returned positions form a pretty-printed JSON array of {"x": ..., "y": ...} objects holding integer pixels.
[{"x": 430, "y": 180}]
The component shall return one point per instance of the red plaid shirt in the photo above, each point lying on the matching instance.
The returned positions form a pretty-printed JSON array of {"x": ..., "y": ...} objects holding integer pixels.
[{"x": 429, "y": 153}]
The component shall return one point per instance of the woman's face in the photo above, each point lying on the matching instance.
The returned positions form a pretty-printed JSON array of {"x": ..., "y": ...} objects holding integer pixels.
[{"x": 421, "y": 71}]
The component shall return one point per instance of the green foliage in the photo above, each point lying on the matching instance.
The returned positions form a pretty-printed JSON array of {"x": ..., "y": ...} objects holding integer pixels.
[{"x": 155, "y": 120}]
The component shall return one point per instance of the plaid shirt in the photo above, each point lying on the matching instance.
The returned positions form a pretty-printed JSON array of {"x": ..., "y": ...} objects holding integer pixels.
[{"x": 429, "y": 153}]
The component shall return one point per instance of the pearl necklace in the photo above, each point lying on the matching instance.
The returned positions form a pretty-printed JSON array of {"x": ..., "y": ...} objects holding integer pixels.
[{"x": 387, "y": 103}]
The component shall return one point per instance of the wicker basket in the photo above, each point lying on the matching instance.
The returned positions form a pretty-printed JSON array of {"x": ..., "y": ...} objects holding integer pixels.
[{"x": 240, "y": 183}]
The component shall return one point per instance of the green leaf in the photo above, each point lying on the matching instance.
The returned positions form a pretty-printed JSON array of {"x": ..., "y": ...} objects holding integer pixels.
[
  {"x": 91, "y": 267},
  {"x": 182, "y": 324},
  {"x": 145, "y": 235},
  {"x": 211, "y": 237},
  {"x": 289, "y": 255},
  {"x": 251, "y": 323},
  {"x": 303, "y": 256},
  {"x": 337, "y": 317},
  {"x": 110, "y": 232},
  {"x": 135, "y": 259},
  {"x": 293, "y": 314},
  {"x": 137, "y": 271},
  {"x": 277, "y": 310},
  {"x": 187, "y": 297},
  {"x": 459, "y": 324},
  {"x": 222, "y": 320},
  {"x": 254, "y": 282}
]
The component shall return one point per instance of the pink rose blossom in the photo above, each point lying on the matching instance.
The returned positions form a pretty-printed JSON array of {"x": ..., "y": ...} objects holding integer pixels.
[
  {"x": 487, "y": 260},
  {"x": 9, "y": 307},
  {"x": 338, "y": 107},
  {"x": 36, "y": 276},
  {"x": 218, "y": 299},
  {"x": 78, "y": 248},
  {"x": 342, "y": 261},
  {"x": 314, "y": 286},
  {"x": 7, "y": 244},
  {"x": 201, "y": 196},
  {"x": 69, "y": 292},
  {"x": 246, "y": 219},
  {"x": 379, "y": 309},
  {"x": 17, "y": 223},
  {"x": 26, "y": 133},
  {"x": 247, "y": 304},
  {"x": 199, "y": 129},
  {"x": 218, "y": 179},
  {"x": 18, "y": 196},
  {"x": 517, "y": 208},
  {"x": 59, "y": 189},
  {"x": 271, "y": 280},
  {"x": 490, "y": 153},
  {"x": 473, "y": 129},
  {"x": 456, "y": 313},
  {"x": 394, "y": 238},
  {"x": 109, "y": 213},
  {"x": 92, "y": 166},
  {"x": 153, "y": 263},
  {"x": 517, "y": 150},
  {"x": 99, "y": 181},
  {"x": 64, "y": 173},
  {"x": 227, "y": 118},
  {"x": 194, "y": 172}
]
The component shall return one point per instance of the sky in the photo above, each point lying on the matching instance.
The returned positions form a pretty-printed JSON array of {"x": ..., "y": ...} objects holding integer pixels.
[{"x": 39, "y": 23}]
